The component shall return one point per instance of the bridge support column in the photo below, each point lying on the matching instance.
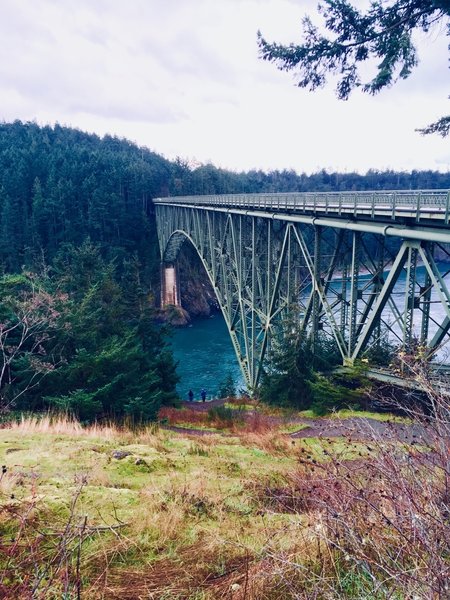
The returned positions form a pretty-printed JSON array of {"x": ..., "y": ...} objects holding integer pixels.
[
  {"x": 170, "y": 289},
  {"x": 317, "y": 285}
]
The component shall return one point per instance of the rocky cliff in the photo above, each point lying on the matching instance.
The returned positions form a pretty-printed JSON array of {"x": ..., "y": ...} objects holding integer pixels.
[{"x": 197, "y": 294}]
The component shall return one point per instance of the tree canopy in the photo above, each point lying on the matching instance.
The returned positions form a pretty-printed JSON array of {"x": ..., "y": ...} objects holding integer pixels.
[
  {"x": 71, "y": 339},
  {"x": 382, "y": 32},
  {"x": 62, "y": 186}
]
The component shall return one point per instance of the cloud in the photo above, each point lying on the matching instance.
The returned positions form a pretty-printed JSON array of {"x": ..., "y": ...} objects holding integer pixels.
[
  {"x": 82, "y": 67},
  {"x": 183, "y": 77}
]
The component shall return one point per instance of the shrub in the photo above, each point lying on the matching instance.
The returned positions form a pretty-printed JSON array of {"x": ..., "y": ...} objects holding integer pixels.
[
  {"x": 328, "y": 395},
  {"x": 223, "y": 416},
  {"x": 227, "y": 388},
  {"x": 380, "y": 523}
]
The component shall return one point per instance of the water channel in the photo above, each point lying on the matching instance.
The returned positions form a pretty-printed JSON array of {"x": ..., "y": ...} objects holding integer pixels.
[{"x": 205, "y": 356}]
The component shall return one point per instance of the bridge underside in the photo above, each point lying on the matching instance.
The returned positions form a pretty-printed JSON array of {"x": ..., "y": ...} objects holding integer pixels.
[{"x": 354, "y": 285}]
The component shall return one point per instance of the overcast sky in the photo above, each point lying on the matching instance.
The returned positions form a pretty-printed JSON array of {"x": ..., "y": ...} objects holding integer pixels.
[{"x": 183, "y": 78}]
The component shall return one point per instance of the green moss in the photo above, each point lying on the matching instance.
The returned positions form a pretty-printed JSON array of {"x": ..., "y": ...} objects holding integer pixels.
[
  {"x": 293, "y": 427},
  {"x": 322, "y": 449},
  {"x": 182, "y": 492},
  {"x": 197, "y": 426},
  {"x": 347, "y": 413},
  {"x": 240, "y": 407},
  {"x": 363, "y": 414}
]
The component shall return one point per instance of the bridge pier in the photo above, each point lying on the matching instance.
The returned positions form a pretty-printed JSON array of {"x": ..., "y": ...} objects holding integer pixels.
[{"x": 170, "y": 289}]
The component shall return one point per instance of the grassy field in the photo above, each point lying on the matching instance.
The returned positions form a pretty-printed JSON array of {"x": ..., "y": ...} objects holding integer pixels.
[{"x": 237, "y": 512}]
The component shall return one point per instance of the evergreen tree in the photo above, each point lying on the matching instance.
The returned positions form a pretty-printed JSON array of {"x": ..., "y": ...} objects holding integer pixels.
[
  {"x": 383, "y": 31},
  {"x": 287, "y": 378},
  {"x": 227, "y": 388},
  {"x": 117, "y": 361}
]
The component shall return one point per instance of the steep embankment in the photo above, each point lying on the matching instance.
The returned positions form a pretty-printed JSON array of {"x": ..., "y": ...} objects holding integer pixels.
[{"x": 197, "y": 294}]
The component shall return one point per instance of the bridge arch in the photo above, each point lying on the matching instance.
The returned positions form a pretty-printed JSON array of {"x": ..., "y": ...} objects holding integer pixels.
[
  {"x": 218, "y": 275},
  {"x": 170, "y": 257},
  {"x": 270, "y": 256}
]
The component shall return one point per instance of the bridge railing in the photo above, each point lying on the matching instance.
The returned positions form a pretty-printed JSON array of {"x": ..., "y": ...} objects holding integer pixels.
[{"x": 417, "y": 204}]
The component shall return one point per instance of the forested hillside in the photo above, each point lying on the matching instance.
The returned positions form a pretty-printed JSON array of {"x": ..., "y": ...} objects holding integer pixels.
[
  {"x": 59, "y": 185},
  {"x": 207, "y": 179},
  {"x": 79, "y": 264}
]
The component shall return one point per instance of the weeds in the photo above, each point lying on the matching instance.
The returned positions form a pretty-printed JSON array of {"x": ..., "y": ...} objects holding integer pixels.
[
  {"x": 176, "y": 416},
  {"x": 223, "y": 417},
  {"x": 252, "y": 516},
  {"x": 38, "y": 561},
  {"x": 197, "y": 449},
  {"x": 381, "y": 522}
]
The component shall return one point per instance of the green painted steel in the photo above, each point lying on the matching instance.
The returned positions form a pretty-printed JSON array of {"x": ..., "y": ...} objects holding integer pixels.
[
  {"x": 418, "y": 205},
  {"x": 273, "y": 255}
]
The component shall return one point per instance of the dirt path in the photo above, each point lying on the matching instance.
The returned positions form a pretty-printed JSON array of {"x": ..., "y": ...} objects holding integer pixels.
[
  {"x": 360, "y": 428},
  {"x": 356, "y": 428}
]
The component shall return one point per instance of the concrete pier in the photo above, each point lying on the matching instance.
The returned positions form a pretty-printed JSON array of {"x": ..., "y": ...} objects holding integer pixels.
[{"x": 170, "y": 294}]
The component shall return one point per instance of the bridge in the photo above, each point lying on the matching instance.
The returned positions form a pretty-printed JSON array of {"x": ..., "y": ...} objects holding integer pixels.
[{"x": 357, "y": 267}]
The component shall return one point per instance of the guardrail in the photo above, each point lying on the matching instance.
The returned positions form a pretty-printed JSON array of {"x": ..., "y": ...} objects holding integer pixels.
[{"x": 418, "y": 204}]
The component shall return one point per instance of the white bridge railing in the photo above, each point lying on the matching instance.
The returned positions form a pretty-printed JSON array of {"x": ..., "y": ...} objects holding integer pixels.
[{"x": 417, "y": 204}]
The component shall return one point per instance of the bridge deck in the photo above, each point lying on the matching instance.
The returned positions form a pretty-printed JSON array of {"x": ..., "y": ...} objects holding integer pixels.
[{"x": 418, "y": 206}]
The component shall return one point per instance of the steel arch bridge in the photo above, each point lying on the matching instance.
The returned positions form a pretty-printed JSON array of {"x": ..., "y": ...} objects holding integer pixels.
[{"x": 354, "y": 266}]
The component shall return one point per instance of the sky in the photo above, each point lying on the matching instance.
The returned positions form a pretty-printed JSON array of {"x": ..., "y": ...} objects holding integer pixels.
[{"x": 183, "y": 78}]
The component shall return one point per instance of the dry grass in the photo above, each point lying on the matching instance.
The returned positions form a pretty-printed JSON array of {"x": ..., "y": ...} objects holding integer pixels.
[
  {"x": 145, "y": 513},
  {"x": 235, "y": 420},
  {"x": 190, "y": 416},
  {"x": 256, "y": 422},
  {"x": 8, "y": 482},
  {"x": 65, "y": 425},
  {"x": 252, "y": 516},
  {"x": 62, "y": 425},
  {"x": 270, "y": 441},
  {"x": 192, "y": 574}
]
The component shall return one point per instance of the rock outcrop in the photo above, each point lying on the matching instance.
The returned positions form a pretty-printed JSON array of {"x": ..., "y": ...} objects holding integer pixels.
[{"x": 197, "y": 294}]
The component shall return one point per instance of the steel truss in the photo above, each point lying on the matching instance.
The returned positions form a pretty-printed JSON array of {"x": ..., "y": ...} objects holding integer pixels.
[{"x": 351, "y": 283}]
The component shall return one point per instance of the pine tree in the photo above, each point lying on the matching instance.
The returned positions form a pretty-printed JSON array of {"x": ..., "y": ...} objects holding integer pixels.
[{"x": 288, "y": 375}]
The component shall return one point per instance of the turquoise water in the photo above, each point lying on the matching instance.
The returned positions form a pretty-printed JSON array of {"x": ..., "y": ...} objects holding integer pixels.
[{"x": 205, "y": 357}]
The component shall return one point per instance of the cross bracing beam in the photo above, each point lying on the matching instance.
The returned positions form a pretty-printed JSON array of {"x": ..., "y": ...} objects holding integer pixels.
[
  {"x": 435, "y": 234},
  {"x": 354, "y": 280}
]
